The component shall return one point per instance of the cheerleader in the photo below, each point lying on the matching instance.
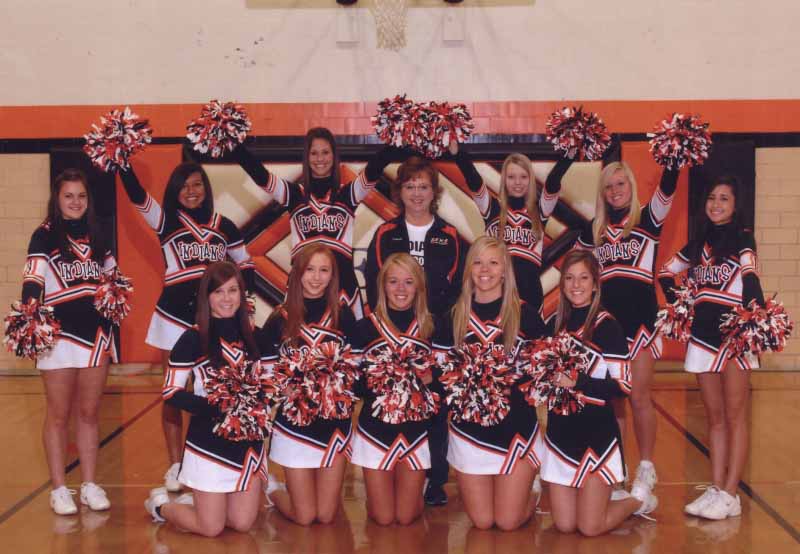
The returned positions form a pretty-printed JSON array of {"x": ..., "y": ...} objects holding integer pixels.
[
  {"x": 394, "y": 455},
  {"x": 192, "y": 236},
  {"x": 624, "y": 238},
  {"x": 313, "y": 456},
  {"x": 321, "y": 209},
  {"x": 223, "y": 474},
  {"x": 722, "y": 262},
  {"x": 519, "y": 215},
  {"x": 66, "y": 258},
  {"x": 581, "y": 453},
  {"x": 494, "y": 464}
]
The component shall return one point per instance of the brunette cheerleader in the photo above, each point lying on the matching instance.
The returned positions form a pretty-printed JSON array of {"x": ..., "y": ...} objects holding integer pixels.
[
  {"x": 581, "y": 453},
  {"x": 66, "y": 258},
  {"x": 494, "y": 463},
  {"x": 395, "y": 454},
  {"x": 224, "y": 474},
  {"x": 624, "y": 238},
  {"x": 314, "y": 455},
  {"x": 721, "y": 261},
  {"x": 192, "y": 236}
]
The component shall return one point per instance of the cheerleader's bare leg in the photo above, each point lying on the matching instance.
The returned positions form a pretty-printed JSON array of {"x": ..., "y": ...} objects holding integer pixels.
[
  {"x": 242, "y": 508},
  {"x": 394, "y": 496},
  {"x": 564, "y": 507},
  {"x": 644, "y": 415},
  {"x": 59, "y": 386},
  {"x": 736, "y": 390},
  {"x": 597, "y": 514},
  {"x": 711, "y": 391},
  {"x": 171, "y": 422},
  {"x": 312, "y": 494},
  {"x": 91, "y": 384},
  {"x": 380, "y": 495},
  {"x": 477, "y": 493},
  {"x": 209, "y": 514},
  {"x": 513, "y": 502},
  {"x": 329, "y": 489}
]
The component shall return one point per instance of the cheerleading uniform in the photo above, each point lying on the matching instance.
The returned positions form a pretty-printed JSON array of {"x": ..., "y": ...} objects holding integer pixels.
[
  {"x": 380, "y": 445},
  {"x": 442, "y": 261},
  {"x": 322, "y": 212},
  {"x": 523, "y": 245},
  {"x": 318, "y": 444},
  {"x": 191, "y": 239},
  {"x": 588, "y": 442},
  {"x": 722, "y": 284},
  {"x": 210, "y": 463},
  {"x": 495, "y": 449},
  {"x": 68, "y": 281},
  {"x": 628, "y": 266}
]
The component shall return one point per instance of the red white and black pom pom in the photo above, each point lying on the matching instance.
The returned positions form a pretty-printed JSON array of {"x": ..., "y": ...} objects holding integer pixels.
[
  {"x": 112, "y": 298},
  {"x": 392, "y": 123},
  {"x": 478, "y": 381},
  {"x": 118, "y": 137},
  {"x": 395, "y": 377},
  {"x": 682, "y": 140},
  {"x": 755, "y": 329},
  {"x": 578, "y": 134},
  {"x": 545, "y": 359},
  {"x": 674, "y": 320},
  {"x": 220, "y": 128},
  {"x": 245, "y": 395},
  {"x": 31, "y": 329},
  {"x": 319, "y": 383}
]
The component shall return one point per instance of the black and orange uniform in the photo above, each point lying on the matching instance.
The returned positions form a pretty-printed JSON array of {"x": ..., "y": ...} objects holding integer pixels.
[
  {"x": 318, "y": 444},
  {"x": 210, "y": 463},
  {"x": 377, "y": 444},
  {"x": 191, "y": 239},
  {"x": 67, "y": 281},
  {"x": 627, "y": 274},
  {"x": 495, "y": 449},
  {"x": 443, "y": 261},
  {"x": 524, "y": 246},
  {"x": 586, "y": 443},
  {"x": 726, "y": 277}
]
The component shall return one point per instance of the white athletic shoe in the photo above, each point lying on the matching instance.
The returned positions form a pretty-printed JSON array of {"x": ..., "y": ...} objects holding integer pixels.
[
  {"x": 536, "y": 489},
  {"x": 171, "y": 482},
  {"x": 722, "y": 506},
  {"x": 645, "y": 479},
  {"x": 94, "y": 497},
  {"x": 186, "y": 498},
  {"x": 158, "y": 497},
  {"x": 619, "y": 494},
  {"x": 61, "y": 501},
  {"x": 693, "y": 508},
  {"x": 649, "y": 502}
]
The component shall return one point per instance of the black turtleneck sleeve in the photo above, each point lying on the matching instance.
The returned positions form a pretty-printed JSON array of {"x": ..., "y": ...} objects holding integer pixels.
[
  {"x": 182, "y": 359},
  {"x": 467, "y": 168},
  {"x": 133, "y": 188},
  {"x": 553, "y": 182},
  {"x": 669, "y": 181}
]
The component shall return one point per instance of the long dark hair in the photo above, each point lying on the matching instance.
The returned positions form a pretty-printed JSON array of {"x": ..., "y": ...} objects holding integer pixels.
[
  {"x": 216, "y": 275},
  {"x": 565, "y": 308},
  {"x": 294, "y": 307},
  {"x": 56, "y": 219},
  {"x": 324, "y": 134},
  {"x": 177, "y": 179},
  {"x": 729, "y": 243}
]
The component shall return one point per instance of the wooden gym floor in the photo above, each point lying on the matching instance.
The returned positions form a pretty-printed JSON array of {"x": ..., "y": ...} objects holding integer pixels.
[{"x": 132, "y": 460}]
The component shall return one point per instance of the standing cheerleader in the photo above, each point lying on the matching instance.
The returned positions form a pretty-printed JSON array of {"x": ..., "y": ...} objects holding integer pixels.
[
  {"x": 192, "y": 236},
  {"x": 581, "y": 453},
  {"x": 624, "y": 238},
  {"x": 313, "y": 456},
  {"x": 518, "y": 217},
  {"x": 223, "y": 474},
  {"x": 721, "y": 260},
  {"x": 494, "y": 462},
  {"x": 66, "y": 259},
  {"x": 321, "y": 209},
  {"x": 391, "y": 441}
]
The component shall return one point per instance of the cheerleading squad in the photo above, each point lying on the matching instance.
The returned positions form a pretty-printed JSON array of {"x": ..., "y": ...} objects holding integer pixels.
[{"x": 450, "y": 360}]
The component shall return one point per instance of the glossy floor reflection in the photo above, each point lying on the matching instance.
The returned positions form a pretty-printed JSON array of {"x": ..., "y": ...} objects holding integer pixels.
[{"x": 132, "y": 461}]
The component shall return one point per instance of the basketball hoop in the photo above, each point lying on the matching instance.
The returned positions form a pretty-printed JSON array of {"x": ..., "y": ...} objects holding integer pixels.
[{"x": 390, "y": 23}]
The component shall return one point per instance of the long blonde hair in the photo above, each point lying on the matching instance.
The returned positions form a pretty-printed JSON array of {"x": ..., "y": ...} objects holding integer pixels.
[
  {"x": 564, "y": 310},
  {"x": 405, "y": 261},
  {"x": 509, "y": 309},
  {"x": 531, "y": 198},
  {"x": 601, "y": 207}
]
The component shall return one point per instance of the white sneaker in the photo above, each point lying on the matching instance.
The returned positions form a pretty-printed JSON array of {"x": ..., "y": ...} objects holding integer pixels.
[
  {"x": 649, "y": 502},
  {"x": 723, "y": 506},
  {"x": 536, "y": 489},
  {"x": 94, "y": 497},
  {"x": 645, "y": 479},
  {"x": 61, "y": 501},
  {"x": 171, "y": 482},
  {"x": 186, "y": 498},
  {"x": 619, "y": 494},
  {"x": 693, "y": 508},
  {"x": 158, "y": 497}
]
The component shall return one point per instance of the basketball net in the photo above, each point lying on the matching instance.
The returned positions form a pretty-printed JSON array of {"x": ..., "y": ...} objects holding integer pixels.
[{"x": 390, "y": 23}]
